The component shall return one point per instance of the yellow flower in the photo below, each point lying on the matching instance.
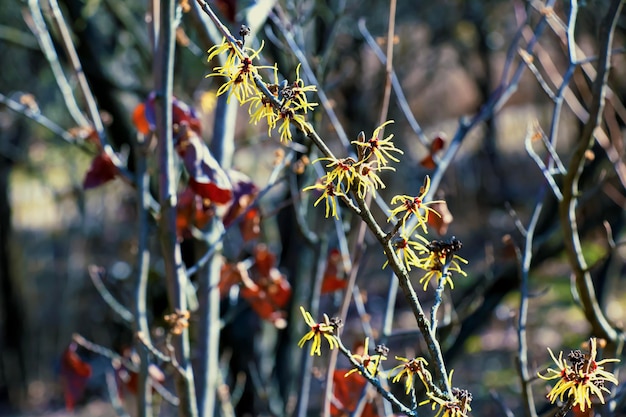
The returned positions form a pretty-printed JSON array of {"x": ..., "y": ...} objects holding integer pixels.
[
  {"x": 369, "y": 179},
  {"x": 370, "y": 363},
  {"x": 262, "y": 108},
  {"x": 326, "y": 328},
  {"x": 295, "y": 94},
  {"x": 344, "y": 169},
  {"x": 411, "y": 368},
  {"x": 241, "y": 74},
  {"x": 289, "y": 117},
  {"x": 580, "y": 380},
  {"x": 221, "y": 48},
  {"x": 380, "y": 148},
  {"x": 408, "y": 251},
  {"x": 441, "y": 256},
  {"x": 330, "y": 195},
  {"x": 457, "y": 406},
  {"x": 412, "y": 206}
]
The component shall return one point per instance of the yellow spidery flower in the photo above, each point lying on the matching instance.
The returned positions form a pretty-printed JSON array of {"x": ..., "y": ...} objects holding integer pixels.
[
  {"x": 330, "y": 194},
  {"x": 581, "y": 380},
  {"x": 369, "y": 179},
  {"x": 379, "y": 148},
  {"x": 295, "y": 94},
  {"x": 412, "y": 206},
  {"x": 411, "y": 368},
  {"x": 369, "y": 362},
  {"x": 441, "y": 255},
  {"x": 261, "y": 108},
  {"x": 289, "y": 117},
  {"x": 326, "y": 328},
  {"x": 457, "y": 406},
  {"x": 241, "y": 74},
  {"x": 408, "y": 251}
]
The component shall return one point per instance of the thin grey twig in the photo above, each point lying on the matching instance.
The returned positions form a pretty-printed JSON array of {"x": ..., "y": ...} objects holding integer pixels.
[
  {"x": 528, "y": 143},
  {"x": 397, "y": 88},
  {"x": 41, "y": 32},
  {"x": 522, "y": 351},
  {"x": 92, "y": 107},
  {"x": 176, "y": 276},
  {"x": 95, "y": 273},
  {"x": 375, "y": 382},
  {"x": 37, "y": 117},
  {"x": 567, "y": 207},
  {"x": 310, "y": 74},
  {"x": 144, "y": 399}
]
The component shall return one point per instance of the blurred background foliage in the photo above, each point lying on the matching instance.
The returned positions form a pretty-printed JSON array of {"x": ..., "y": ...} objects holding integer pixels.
[{"x": 448, "y": 55}]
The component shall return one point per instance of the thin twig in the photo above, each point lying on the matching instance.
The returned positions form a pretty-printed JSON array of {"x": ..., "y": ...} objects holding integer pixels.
[
  {"x": 375, "y": 382},
  {"x": 38, "y": 26},
  {"x": 175, "y": 273},
  {"x": 95, "y": 273},
  {"x": 522, "y": 351},
  {"x": 92, "y": 107},
  {"x": 397, "y": 87},
  {"x": 144, "y": 400},
  {"x": 567, "y": 207},
  {"x": 306, "y": 67}
]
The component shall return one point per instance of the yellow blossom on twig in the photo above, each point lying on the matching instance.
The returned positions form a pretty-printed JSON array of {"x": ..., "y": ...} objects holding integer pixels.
[
  {"x": 326, "y": 328},
  {"x": 330, "y": 194},
  {"x": 441, "y": 261},
  {"x": 380, "y": 149},
  {"x": 457, "y": 406},
  {"x": 412, "y": 368},
  {"x": 369, "y": 362},
  {"x": 413, "y": 206},
  {"x": 581, "y": 379}
]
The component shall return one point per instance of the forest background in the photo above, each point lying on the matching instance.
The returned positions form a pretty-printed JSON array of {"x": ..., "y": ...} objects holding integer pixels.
[{"x": 475, "y": 86}]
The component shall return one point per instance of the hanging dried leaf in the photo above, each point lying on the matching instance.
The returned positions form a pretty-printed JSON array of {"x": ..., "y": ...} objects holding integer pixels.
[
  {"x": 439, "y": 224},
  {"x": 332, "y": 275},
  {"x": 102, "y": 170},
  {"x": 74, "y": 376},
  {"x": 436, "y": 145},
  {"x": 347, "y": 393}
]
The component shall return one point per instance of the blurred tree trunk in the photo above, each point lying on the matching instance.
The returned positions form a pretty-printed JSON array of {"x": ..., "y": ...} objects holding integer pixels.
[{"x": 12, "y": 315}]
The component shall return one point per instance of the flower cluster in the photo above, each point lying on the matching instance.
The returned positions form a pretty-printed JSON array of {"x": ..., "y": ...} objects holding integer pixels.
[
  {"x": 454, "y": 404},
  {"x": 437, "y": 258},
  {"x": 281, "y": 105},
  {"x": 581, "y": 379},
  {"x": 361, "y": 176}
]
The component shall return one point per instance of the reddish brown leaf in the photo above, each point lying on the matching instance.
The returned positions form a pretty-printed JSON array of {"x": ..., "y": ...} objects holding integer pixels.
[
  {"x": 229, "y": 275},
  {"x": 250, "y": 226},
  {"x": 74, "y": 375},
  {"x": 436, "y": 145},
  {"x": 139, "y": 119},
  {"x": 144, "y": 116},
  {"x": 264, "y": 260},
  {"x": 102, "y": 170},
  {"x": 244, "y": 194},
  {"x": 332, "y": 281},
  {"x": 191, "y": 210},
  {"x": 228, "y": 8},
  {"x": 440, "y": 224},
  {"x": 347, "y": 392},
  {"x": 207, "y": 178},
  {"x": 278, "y": 289},
  {"x": 263, "y": 305}
]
